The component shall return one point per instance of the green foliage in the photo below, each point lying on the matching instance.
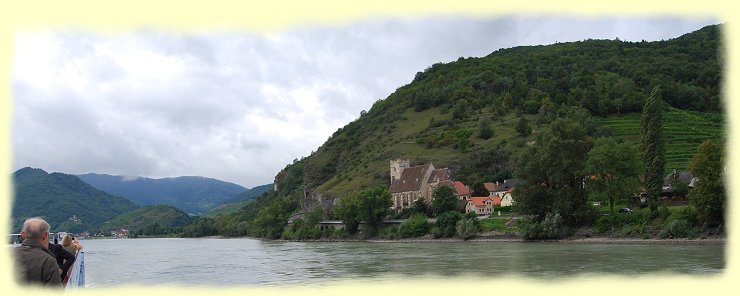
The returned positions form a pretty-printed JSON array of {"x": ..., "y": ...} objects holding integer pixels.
[
  {"x": 552, "y": 172},
  {"x": 466, "y": 228},
  {"x": 166, "y": 218},
  {"x": 613, "y": 169},
  {"x": 677, "y": 228},
  {"x": 484, "y": 128},
  {"x": 522, "y": 127},
  {"x": 446, "y": 224},
  {"x": 58, "y": 197},
  {"x": 684, "y": 131},
  {"x": 201, "y": 227},
  {"x": 414, "y": 226},
  {"x": 653, "y": 147},
  {"x": 370, "y": 205},
  {"x": 444, "y": 200},
  {"x": 551, "y": 227},
  {"x": 709, "y": 195}
]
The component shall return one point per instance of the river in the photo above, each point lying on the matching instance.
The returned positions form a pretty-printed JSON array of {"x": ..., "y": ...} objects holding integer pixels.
[{"x": 243, "y": 261}]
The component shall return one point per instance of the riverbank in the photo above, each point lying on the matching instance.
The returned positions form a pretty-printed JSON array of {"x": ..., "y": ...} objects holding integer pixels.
[{"x": 513, "y": 238}]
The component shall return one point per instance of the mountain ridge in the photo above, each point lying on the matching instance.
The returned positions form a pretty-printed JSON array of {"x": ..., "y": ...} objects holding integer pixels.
[{"x": 65, "y": 201}]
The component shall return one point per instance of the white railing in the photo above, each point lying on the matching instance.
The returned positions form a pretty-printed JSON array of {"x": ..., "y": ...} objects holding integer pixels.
[{"x": 76, "y": 274}]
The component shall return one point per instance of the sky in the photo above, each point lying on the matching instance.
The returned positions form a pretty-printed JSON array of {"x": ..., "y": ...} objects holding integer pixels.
[{"x": 237, "y": 105}]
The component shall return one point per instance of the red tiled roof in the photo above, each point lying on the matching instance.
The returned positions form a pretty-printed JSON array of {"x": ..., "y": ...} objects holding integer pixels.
[
  {"x": 490, "y": 186},
  {"x": 411, "y": 179},
  {"x": 496, "y": 200},
  {"x": 460, "y": 188},
  {"x": 480, "y": 201}
]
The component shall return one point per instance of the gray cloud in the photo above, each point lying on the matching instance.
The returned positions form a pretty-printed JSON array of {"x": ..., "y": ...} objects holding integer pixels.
[{"x": 239, "y": 106}]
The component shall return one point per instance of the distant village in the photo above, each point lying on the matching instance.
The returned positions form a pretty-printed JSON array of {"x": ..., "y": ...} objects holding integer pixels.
[{"x": 411, "y": 183}]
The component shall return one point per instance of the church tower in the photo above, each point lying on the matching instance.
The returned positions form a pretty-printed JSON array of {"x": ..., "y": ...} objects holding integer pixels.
[{"x": 397, "y": 167}]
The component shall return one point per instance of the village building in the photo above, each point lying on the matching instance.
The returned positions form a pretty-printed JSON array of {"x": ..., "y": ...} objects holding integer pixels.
[
  {"x": 411, "y": 183},
  {"x": 482, "y": 205},
  {"x": 503, "y": 190},
  {"x": 462, "y": 191}
]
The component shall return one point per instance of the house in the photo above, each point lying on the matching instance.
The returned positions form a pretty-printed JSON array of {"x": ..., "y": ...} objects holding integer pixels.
[
  {"x": 685, "y": 177},
  {"x": 462, "y": 191},
  {"x": 507, "y": 199},
  {"x": 482, "y": 205},
  {"x": 503, "y": 190},
  {"x": 411, "y": 183}
]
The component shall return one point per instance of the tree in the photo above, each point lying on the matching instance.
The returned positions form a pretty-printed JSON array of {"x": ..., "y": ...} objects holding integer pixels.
[
  {"x": 653, "y": 148},
  {"x": 444, "y": 200},
  {"x": 370, "y": 205},
  {"x": 708, "y": 196},
  {"x": 484, "y": 128},
  {"x": 522, "y": 127},
  {"x": 420, "y": 207},
  {"x": 552, "y": 170},
  {"x": 613, "y": 169}
]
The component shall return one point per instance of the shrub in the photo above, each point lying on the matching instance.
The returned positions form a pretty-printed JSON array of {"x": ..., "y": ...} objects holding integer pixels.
[
  {"x": 414, "y": 226},
  {"x": 677, "y": 228},
  {"x": 466, "y": 228},
  {"x": 603, "y": 224},
  {"x": 447, "y": 221},
  {"x": 388, "y": 232},
  {"x": 436, "y": 232},
  {"x": 549, "y": 228},
  {"x": 663, "y": 213}
]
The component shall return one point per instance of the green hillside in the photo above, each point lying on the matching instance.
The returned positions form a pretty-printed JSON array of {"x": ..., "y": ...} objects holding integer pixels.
[
  {"x": 440, "y": 116},
  {"x": 684, "y": 131},
  {"x": 145, "y": 218},
  {"x": 227, "y": 208},
  {"x": 67, "y": 203}
]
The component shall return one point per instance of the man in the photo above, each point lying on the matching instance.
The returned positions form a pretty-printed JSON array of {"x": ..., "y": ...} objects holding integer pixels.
[{"x": 34, "y": 261}]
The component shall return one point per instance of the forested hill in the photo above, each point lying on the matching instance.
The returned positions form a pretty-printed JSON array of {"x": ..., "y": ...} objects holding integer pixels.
[
  {"x": 475, "y": 116},
  {"x": 60, "y": 198},
  {"x": 191, "y": 194},
  {"x": 149, "y": 220},
  {"x": 436, "y": 117}
]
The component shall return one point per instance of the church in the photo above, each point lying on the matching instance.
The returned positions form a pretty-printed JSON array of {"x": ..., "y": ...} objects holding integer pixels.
[{"x": 411, "y": 183}]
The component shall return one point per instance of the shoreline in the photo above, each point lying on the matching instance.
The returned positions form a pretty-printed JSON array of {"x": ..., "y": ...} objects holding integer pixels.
[{"x": 502, "y": 239}]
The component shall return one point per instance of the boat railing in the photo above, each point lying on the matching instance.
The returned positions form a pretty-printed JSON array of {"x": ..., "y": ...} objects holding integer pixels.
[{"x": 76, "y": 274}]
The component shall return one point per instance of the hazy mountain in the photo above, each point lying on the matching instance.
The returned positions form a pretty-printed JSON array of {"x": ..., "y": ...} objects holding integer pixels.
[{"x": 191, "y": 194}]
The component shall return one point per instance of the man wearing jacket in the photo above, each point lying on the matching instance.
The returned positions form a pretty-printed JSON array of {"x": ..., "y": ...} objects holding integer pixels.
[{"x": 35, "y": 263}]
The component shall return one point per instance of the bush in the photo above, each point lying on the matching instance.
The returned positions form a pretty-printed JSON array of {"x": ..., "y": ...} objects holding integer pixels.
[
  {"x": 436, "y": 232},
  {"x": 414, "y": 226},
  {"x": 603, "y": 224},
  {"x": 663, "y": 213},
  {"x": 466, "y": 228},
  {"x": 677, "y": 228},
  {"x": 388, "y": 232},
  {"x": 447, "y": 223},
  {"x": 549, "y": 228}
]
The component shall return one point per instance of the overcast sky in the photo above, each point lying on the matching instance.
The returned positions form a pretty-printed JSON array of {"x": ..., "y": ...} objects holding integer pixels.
[{"x": 237, "y": 105}]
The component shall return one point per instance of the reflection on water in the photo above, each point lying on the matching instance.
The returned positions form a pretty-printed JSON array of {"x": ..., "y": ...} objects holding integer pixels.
[{"x": 215, "y": 262}]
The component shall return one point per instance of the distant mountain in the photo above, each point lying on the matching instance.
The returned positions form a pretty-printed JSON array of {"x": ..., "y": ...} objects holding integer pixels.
[
  {"x": 251, "y": 193},
  {"x": 150, "y": 219},
  {"x": 65, "y": 201},
  {"x": 239, "y": 201},
  {"x": 193, "y": 195}
]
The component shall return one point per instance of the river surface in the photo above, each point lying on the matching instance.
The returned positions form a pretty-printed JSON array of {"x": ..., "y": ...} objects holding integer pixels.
[{"x": 242, "y": 261}]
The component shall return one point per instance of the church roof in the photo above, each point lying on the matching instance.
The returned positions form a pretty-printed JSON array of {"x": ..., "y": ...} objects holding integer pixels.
[{"x": 411, "y": 179}]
